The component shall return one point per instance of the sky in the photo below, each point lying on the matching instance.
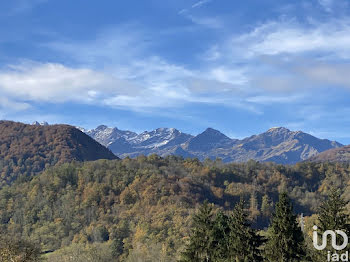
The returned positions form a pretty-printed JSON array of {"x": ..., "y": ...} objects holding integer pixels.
[{"x": 241, "y": 67}]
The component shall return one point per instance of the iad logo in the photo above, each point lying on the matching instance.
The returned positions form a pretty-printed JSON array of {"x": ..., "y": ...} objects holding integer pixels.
[
  {"x": 333, "y": 239},
  {"x": 333, "y": 234}
]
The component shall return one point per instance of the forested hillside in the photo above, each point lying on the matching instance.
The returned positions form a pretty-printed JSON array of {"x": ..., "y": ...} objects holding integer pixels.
[
  {"x": 341, "y": 154},
  {"x": 28, "y": 149},
  {"x": 143, "y": 207}
]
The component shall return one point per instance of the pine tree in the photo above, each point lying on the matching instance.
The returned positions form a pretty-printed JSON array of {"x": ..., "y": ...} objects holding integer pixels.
[
  {"x": 243, "y": 242},
  {"x": 266, "y": 211},
  {"x": 254, "y": 207},
  {"x": 220, "y": 237},
  {"x": 286, "y": 241},
  {"x": 200, "y": 246},
  {"x": 266, "y": 206},
  {"x": 332, "y": 216}
]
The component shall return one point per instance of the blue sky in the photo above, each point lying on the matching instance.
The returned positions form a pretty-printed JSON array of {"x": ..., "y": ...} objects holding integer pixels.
[{"x": 237, "y": 66}]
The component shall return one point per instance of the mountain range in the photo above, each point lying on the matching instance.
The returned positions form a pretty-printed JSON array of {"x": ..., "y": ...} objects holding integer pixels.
[{"x": 277, "y": 144}]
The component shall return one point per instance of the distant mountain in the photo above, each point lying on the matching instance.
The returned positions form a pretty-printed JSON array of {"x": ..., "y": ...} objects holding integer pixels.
[
  {"x": 28, "y": 149},
  {"x": 106, "y": 135},
  {"x": 209, "y": 140},
  {"x": 278, "y": 144},
  {"x": 283, "y": 146},
  {"x": 162, "y": 141},
  {"x": 341, "y": 154},
  {"x": 36, "y": 123}
]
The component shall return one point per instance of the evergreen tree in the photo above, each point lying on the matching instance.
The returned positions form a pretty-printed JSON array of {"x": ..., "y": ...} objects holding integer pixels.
[
  {"x": 266, "y": 206},
  {"x": 220, "y": 237},
  {"x": 200, "y": 246},
  {"x": 266, "y": 211},
  {"x": 244, "y": 243},
  {"x": 286, "y": 241},
  {"x": 254, "y": 207},
  {"x": 332, "y": 216}
]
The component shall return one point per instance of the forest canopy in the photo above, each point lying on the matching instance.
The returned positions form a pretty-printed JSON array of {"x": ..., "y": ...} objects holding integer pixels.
[{"x": 145, "y": 205}]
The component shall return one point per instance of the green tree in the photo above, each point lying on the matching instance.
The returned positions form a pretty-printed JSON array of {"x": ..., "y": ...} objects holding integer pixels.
[
  {"x": 200, "y": 244},
  {"x": 285, "y": 241},
  {"x": 266, "y": 211},
  {"x": 266, "y": 206},
  {"x": 254, "y": 207},
  {"x": 244, "y": 242},
  {"x": 332, "y": 216},
  {"x": 220, "y": 237}
]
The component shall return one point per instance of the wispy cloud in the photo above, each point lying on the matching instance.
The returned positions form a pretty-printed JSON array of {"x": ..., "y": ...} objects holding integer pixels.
[
  {"x": 120, "y": 67},
  {"x": 247, "y": 71},
  {"x": 268, "y": 100},
  {"x": 291, "y": 37},
  {"x": 210, "y": 22},
  {"x": 201, "y": 3},
  {"x": 200, "y": 20},
  {"x": 49, "y": 82},
  {"x": 195, "y": 5},
  {"x": 160, "y": 83},
  {"x": 324, "y": 73},
  {"x": 154, "y": 84},
  {"x": 287, "y": 56},
  {"x": 115, "y": 44},
  {"x": 6, "y": 103}
]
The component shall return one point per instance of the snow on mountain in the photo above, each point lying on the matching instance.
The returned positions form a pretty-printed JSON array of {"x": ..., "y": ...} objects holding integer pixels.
[
  {"x": 107, "y": 135},
  {"x": 160, "y": 137},
  {"x": 36, "y": 123},
  {"x": 278, "y": 144}
]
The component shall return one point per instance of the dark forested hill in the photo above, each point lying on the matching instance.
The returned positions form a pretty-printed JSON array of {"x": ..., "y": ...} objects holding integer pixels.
[
  {"x": 28, "y": 149},
  {"x": 143, "y": 207}
]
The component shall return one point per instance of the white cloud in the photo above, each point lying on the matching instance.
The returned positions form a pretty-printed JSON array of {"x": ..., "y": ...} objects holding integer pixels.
[
  {"x": 195, "y": 5},
  {"x": 284, "y": 56},
  {"x": 205, "y": 21},
  {"x": 327, "y": 73},
  {"x": 290, "y": 37},
  {"x": 128, "y": 56},
  {"x": 113, "y": 45},
  {"x": 268, "y": 100},
  {"x": 201, "y": 3},
  {"x": 297, "y": 75},
  {"x": 49, "y": 82},
  {"x": 228, "y": 75},
  {"x": 286, "y": 83},
  {"x": 235, "y": 73},
  {"x": 152, "y": 83},
  {"x": 6, "y": 103}
]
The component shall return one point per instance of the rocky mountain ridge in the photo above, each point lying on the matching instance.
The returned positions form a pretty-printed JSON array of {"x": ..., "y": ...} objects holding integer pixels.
[{"x": 277, "y": 144}]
